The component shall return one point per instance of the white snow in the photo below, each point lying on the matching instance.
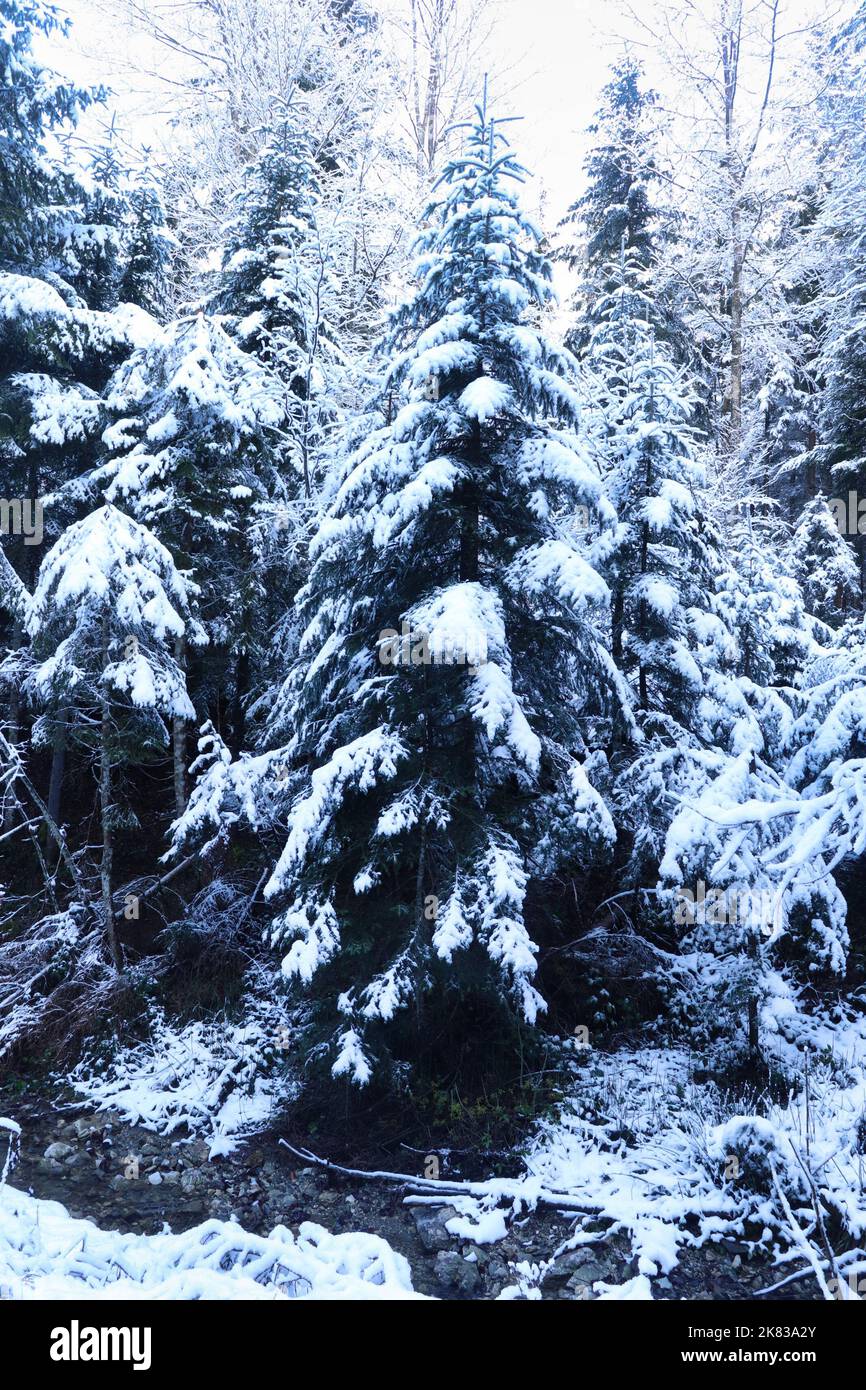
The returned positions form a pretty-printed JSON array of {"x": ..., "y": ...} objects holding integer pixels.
[
  {"x": 47, "y": 1254},
  {"x": 484, "y": 399}
]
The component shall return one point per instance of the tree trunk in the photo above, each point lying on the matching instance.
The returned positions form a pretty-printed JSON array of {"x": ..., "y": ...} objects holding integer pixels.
[
  {"x": 242, "y": 685},
  {"x": 106, "y": 809},
  {"x": 58, "y": 767},
  {"x": 736, "y": 345},
  {"x": 469, "y": 569},
  {"x": 14, "y": 725},
  {"x": 419, "y": 930},
  {"x": 179, "y": 741}
]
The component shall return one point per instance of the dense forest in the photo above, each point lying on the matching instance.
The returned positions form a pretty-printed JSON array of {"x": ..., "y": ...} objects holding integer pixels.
[{"x": 432, "y": 645}]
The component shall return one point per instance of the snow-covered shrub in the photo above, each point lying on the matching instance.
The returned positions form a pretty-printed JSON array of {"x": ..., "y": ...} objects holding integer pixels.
[
  {"x": 214, "y": 1079},
  {"x": 749, "y": 1150},
  {"x": 57, "y": 987}
]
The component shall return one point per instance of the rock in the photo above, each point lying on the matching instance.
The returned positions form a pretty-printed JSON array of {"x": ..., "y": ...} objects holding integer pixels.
[
  {"x": 58, "y": 1152},
  {"x": 476, "y": 1254},
  {"x": 49, "y": 1165},
  {"x": 310, "y": 1182},
  {"x": 456, "y": 1273},
  {"x": 587, "y": 1274},
  {"x": 430, "y": 1225},
  {"x": 191, "y": 1180},
  {"x": 575, "y": 1265},
  {"x": 87, "y": 1125}
]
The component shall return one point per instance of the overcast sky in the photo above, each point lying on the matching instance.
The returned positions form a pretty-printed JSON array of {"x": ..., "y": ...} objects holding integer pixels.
[{"x": 556, "y": 53}]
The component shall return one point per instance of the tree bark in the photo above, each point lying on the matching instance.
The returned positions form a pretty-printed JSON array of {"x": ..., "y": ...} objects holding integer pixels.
[
  {"x": 106, "y": 810},
  {"x": 58, "y": 767},
  {"x": 242, "y": 685},
  {"x": 179, "y": 741}
]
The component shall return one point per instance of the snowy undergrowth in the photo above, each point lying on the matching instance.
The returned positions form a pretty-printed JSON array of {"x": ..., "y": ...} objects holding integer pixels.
[
  {"x": 674, "y": 1163},
  {"x": 47, "y": 1254},
  {"x": 214, "y": 1080},
  {"x": 640, "y": 1149}
]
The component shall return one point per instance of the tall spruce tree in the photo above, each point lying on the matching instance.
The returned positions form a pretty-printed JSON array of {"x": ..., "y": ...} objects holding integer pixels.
[
  {"x": 453, "y": 652},
  {"x": 275, "y": 282},
  {"x": 61, "y": 332},
  {"x": 35, "y": 103},
  {"x": 639, "y": 417},
  {"x": 108, "y": 608},
  {"x": 840, "y": 456},
  {"x": 617, "y": 208},
  {"x": 150, "y": 249},
  {"x": 824, "y": 564},
  {"x": 192, "y": 456}
]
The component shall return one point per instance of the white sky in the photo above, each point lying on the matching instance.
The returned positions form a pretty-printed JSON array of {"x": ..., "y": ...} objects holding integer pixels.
[
  {"x": 557, "y": 53},
  {"x": 553, "y": 50}
]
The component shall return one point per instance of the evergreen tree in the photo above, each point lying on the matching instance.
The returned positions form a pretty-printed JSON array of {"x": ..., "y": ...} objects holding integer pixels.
[
  {"x": 617, "y": 210},
  {"x": 786, "y": 433},
  {"x": 149, "y": 251},
  {"x": 275, "y": 282},
  {"x": 108, "y": 606},
  {"x": 98, "y": 239},
  {"x": 761, "y": 601},
  {"x": 192, "y": 457},
  {"x": 35, "y": 103},
  {"x": 840, "y": 456},
  {"x": 824, "y": 564},
  {"x": 451, "y": 661},
  {"x": 59, "y": 242},
  {"x": 639, "y": 421}
]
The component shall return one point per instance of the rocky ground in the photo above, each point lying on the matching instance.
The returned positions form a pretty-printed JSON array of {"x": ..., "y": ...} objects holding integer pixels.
[{"x": 125, "y": 1177}]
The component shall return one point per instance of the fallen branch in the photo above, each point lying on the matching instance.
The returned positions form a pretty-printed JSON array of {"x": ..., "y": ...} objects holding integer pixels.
[{"x": 517, "y": 1188}]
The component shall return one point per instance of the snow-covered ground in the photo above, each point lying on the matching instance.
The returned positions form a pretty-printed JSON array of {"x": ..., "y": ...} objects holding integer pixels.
[
  {"x": 636, "y": 1150},
  {"x": 47, "y": 1254},
  {"x": 216, "y": 1080}
]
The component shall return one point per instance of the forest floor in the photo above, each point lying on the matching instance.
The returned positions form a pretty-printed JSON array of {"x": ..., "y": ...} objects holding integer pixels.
[{"x": 126, "y": 1177}]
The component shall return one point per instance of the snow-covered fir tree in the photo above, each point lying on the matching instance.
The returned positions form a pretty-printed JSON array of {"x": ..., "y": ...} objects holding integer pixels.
[
  {"x": 276, "y": 280},
  {"x": 193, "y": 455},
  {"x": 61, "y": 329},
  {"x": 149, "y": 249},
  {"x": 452, "y": 654},
  {"x": 640, "y": 416},
  {"x": 36, "y": 103},
  {"x": 824, "y": 564},
  {"x": 108, "y": 607},
  {"x": 617, "y": 209},
  {"x": 761, "y": 600},
  {"x": 840, "y": 455}
]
